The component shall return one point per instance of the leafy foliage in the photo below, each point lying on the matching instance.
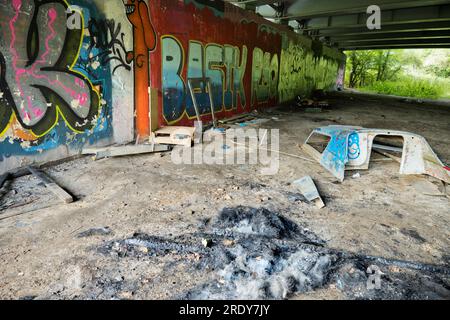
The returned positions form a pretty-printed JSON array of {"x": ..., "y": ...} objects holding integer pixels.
[{"x": 413, "y": 73}]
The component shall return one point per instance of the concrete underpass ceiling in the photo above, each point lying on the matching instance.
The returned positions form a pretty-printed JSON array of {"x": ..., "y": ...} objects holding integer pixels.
[{"x": 342, "y": 23}]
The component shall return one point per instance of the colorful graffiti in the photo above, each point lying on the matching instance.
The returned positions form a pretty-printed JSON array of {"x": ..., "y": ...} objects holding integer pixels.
[
  {"x": 38, "y": 79},
  {"x": 106, "y": 44},
  {"x": 60, "y": 62},
  {"x": 144, "y": 37},
  {"x": 301, "y": 72},
  {"x": 223, "y": 65},
  {"x": 250, "y": 63},
  {"x": 55, "y": 75},
  {"x": 264, "y": 76},
  {"x": 354, "y": 150}
]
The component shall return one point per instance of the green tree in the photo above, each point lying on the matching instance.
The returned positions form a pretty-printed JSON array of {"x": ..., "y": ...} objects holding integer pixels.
[{"x": 360, "y": 63}]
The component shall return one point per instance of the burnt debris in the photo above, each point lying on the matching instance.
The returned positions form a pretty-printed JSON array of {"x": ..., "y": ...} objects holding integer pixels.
[{"x": 254, "y": 253}]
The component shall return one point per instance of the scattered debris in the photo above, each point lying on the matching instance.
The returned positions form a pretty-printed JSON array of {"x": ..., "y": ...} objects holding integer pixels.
[
  {"x": 237, "y": 118},
  {"x": 349, "y": 148},
  {"x": 356, "y": 175},
  {"x": 309, "y": 190},
  {"x": 315, "y": 104},
  {"x": 228, "y": 242},
  {"x": 103, "y": 231},
  {"x": 207, "y": 243},
  {"x": 51, "y": 185}
]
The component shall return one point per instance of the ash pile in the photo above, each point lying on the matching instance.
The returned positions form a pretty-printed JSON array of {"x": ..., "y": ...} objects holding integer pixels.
[{"x": 258, "y": 254}]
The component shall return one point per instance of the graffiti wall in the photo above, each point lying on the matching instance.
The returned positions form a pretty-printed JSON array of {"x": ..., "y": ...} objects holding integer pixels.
[
  {"x": 76, "y": 73},
  {"x": 250, "y": 62},
  {"x": 57, "y": 63}
]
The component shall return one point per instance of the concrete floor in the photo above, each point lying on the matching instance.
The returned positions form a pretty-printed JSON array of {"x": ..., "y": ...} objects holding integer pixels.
[{"x": 380, "y": 213}]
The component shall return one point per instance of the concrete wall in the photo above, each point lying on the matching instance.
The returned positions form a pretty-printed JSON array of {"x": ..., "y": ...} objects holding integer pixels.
[{"x": 81, "y": 72}]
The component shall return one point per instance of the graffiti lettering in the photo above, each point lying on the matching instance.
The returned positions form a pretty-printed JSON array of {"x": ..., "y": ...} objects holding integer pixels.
[
  {"x": 37, "y": 52},
  {"x": 264, "y": 76},
  {"x": 172, "y": 82},
  {"x": 301, "y": 72},
  {"x": 106, "y": 44},
  {"x": 223, "y": 65}
]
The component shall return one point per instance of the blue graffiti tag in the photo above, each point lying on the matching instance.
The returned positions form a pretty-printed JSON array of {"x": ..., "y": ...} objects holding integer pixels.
[{"x": 354, "y": 151}]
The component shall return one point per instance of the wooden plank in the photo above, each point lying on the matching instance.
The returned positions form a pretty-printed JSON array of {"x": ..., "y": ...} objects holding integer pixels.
[
  {"x": 131, "y": 150},
  {"x": 386, "y": 154},
  {"x": 387, "y": 148},
  {"x": 236, "y": 118},
  {"x": 316, "y": 155},
  {"x": 51, "y": 185},
  {"x": 175, "y": 135}
]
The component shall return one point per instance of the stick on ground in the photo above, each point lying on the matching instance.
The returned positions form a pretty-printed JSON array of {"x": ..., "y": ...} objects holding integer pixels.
[{"x": 51, "y": 185}]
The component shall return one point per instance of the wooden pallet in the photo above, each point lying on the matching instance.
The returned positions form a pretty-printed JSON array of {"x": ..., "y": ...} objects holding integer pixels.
[{"x": 175, "y": 135}]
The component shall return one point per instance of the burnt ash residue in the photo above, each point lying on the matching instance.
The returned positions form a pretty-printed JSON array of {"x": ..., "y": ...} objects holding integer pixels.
[
  {"x": 262, "y": 223},
  {"x": 258, "y": 254}
]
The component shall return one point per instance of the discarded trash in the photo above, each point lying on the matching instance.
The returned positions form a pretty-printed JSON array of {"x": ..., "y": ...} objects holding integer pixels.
[
  {"x": 237, "y": 118},
  {"x": 175, "y": 135},
  {"x": 315, "y": 104},
  {"x": 349, "y": 148},
  {"x": 356, "y": 175},
  {"x": 207, "y": 243},
  {"x": 51, "y": 185},
  {"x": 309, "y": 190}
]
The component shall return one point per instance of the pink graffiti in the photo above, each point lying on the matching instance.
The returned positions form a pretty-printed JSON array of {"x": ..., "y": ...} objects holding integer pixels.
[
  {"x": 51, "y": 36},
  {"x": 80, "y": 83},
  {"x": 20, "y": 72}
]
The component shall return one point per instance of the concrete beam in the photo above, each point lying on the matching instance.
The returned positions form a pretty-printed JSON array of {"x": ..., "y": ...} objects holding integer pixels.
[
  {"x": 384, "y": 47},
  {"x": 390, "y": 36},
  {"x": 388, "y": 18},
  {"x": 308, "y": 9},
  {"x": 418, "y": 43},
  {"x": 397, "y": 28}
]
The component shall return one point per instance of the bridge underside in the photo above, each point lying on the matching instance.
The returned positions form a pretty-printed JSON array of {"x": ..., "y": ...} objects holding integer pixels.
[{"x": 343, "y": 23}]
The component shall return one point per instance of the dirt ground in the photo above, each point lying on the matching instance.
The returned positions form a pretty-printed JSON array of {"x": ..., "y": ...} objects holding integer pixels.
[{"x": 45, "y": 254}]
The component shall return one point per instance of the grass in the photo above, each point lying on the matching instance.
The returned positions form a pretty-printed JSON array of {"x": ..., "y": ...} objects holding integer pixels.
[{"x": 416, "y": 88}]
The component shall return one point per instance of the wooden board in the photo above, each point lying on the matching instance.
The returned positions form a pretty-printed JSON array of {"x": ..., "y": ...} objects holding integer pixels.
[
  {"x": 51, "y": 185},
  {"x": 236, "y": 118},
  {"x": 130, "y": 150},
  {"x": 175, "y": 135}
]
